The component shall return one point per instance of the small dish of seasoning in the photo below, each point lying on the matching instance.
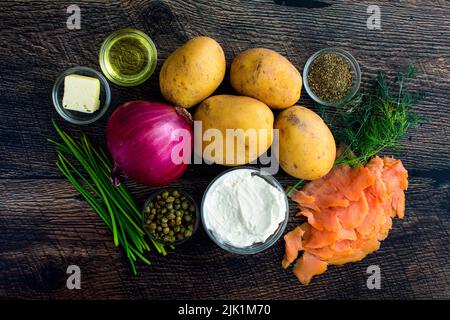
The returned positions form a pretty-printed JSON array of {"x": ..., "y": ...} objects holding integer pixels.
[
  {"x": 170, "y": 216},
  {"x": 331, "y": 76},
  {"x": 244, "y": 211},
  {"x": 128, "y": 57}
]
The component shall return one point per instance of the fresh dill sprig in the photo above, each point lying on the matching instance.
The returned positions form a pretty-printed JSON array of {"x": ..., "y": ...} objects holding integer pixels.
[{"x": 374, "y": 121}]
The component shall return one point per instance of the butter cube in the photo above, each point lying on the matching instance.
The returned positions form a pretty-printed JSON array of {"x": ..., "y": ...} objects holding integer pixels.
[{"x": 81, "y": 93}]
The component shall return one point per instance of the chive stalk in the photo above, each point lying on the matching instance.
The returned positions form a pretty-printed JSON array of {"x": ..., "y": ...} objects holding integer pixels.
[{"x": 88, "y": 173}]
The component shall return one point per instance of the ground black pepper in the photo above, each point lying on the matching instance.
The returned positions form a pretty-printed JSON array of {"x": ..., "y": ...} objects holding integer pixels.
[{"x": 330, "y": 77}]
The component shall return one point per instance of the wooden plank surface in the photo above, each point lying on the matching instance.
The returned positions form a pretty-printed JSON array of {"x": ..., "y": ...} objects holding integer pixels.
[{"x": 45, "y": 225}]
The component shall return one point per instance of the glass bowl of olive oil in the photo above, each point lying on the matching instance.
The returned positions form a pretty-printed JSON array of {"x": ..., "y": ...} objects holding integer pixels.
[{"x": 128, "y": 57}]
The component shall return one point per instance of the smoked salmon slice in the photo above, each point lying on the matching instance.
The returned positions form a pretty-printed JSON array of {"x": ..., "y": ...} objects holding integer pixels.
[
  {"x": 322, "y": 220},
  {"x": 395, "y": 177},
  {"x": 308, "y": 266},
  {"x": 349, "y": 211},
  {"x": 351, "y": 181},
  {"x": 314, "y": 238},
  {"x": 352, "y": 216},
  {"x": 293, "y": 245}
]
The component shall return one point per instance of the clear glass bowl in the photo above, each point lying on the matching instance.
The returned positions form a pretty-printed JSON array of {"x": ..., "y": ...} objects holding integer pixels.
[
  {"x": 150, "y": 199},
  {"x": 77, "y": 117},
  {"x": 133, "y": 79},
  {"x": 356, "y": 75},
  {"x": 256, "y": 247}
]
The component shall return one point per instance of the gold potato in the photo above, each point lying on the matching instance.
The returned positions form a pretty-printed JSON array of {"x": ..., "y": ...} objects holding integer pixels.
[
  {"x": 307, "y": 149},
  {"x": 267, "y": 76},
  {"x": 252, "y": 119},
  {"x": 192, "y": 72}
]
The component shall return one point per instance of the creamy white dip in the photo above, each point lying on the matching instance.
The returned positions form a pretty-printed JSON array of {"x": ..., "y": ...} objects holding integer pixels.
[{"x": 242, "y": 209}]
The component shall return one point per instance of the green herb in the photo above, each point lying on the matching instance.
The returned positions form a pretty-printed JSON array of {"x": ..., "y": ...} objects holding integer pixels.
[
  {"x": 170, "y": 217},
  {"x": 295, "y": 186},
  {"x": 88, "y": 170},
  {"x": 374, "y": 121},
  {"x": 330, "y": 77}
]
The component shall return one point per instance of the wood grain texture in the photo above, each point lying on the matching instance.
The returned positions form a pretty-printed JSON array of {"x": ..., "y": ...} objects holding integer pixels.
[{"x": 45, "y": 225}]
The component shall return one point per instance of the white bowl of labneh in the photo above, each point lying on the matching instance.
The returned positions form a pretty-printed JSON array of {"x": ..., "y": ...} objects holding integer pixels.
[{"x": 244, "y": 210}]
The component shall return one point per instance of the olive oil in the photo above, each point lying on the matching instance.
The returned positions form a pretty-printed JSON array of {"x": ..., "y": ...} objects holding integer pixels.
[{"x": 128, "y": 57}]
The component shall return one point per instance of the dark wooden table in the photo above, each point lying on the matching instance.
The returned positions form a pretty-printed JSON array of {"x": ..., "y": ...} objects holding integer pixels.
[{"x": 46, "y": 226}]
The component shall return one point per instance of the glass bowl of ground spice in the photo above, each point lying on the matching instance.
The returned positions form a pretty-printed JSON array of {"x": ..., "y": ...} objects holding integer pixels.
[{"x": 331, "y": 76}]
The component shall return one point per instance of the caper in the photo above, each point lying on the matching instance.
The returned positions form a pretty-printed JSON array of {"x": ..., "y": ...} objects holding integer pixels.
[{"x": 170, "y": 216}]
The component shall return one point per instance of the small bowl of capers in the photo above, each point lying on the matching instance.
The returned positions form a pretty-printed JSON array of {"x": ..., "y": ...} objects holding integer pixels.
[{"x": 170, "y": 216}]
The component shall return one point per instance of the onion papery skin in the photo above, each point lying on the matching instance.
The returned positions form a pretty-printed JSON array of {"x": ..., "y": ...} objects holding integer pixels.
[{"x": 139, "y": 138}]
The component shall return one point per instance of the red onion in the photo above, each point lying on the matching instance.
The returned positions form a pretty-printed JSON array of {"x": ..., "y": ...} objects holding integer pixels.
[{"x": 142, "y": 137}]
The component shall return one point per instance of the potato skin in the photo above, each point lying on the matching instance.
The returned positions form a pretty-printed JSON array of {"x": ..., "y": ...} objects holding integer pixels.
[
  {"x": 192, "y": 72},
  {"x": 267, "y": 76},
  {"x": 307, "y": 149},
  {"x": 235, "y": 112}
]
